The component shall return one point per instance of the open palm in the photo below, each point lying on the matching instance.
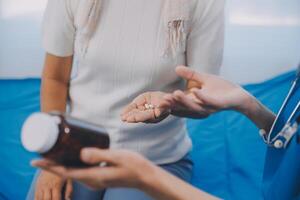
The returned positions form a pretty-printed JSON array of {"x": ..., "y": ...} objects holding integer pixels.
[{"x": 149, "y": 107}]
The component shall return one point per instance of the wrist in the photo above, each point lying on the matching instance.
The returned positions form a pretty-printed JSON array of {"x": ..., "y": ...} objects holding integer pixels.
[
  {"x": 248, "y": 106},
  {"x": 146, "y": 179},
  {"x": 150, "y": 181},
  {"x": 261, "y": 116}
]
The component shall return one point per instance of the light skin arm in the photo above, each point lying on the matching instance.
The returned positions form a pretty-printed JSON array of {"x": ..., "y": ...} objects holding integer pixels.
[
  {"x": 54, "y": 91},
  {"x": 164, "y": 186},
  {"x": 260, "y": 115},
  {"x": 215, "y": 94},
  {"x": 55, "y": 83},
  {"x": 127, "y": 169}
]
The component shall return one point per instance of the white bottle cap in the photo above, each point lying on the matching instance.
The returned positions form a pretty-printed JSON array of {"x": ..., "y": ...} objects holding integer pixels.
[{"x": 40, "y": 132}]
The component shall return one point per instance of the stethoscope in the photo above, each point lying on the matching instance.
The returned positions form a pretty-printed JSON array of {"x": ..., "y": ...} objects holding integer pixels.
[{"x": 282, "y": 139}]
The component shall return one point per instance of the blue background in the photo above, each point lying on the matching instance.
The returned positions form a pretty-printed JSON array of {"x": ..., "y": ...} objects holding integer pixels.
[{"x": 228, "y": 153}]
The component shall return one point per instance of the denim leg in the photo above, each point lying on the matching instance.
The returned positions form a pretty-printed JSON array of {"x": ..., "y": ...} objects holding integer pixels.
[{"x": 81, "y": 192}]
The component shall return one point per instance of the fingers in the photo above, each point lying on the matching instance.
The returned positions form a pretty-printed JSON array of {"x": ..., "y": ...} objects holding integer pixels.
[
  {"x": 89, "y": 155},
  {"x": 168, "y": 102},
  {"x": 127, "y": 110},
  {"x": 138, "y": 111},
  {"x": 55, "y": 169},
  {"x": 69, "y": 190},
  {"x": 38, "y": 194},
  {"x": 202, "y": 97},
  {"x": 47, "y": 194},
  {"x": 144, "y": 115},
  {"x": 188, "y": 103},
  {"x": 189, "y": 74},
  {"x": 137, "y": 104},
  {"x": 56, "y": 194},
  {"x": 42, "y": 162},
  {"x": 135, "y": 113},
  {"x": 92, "y": 175},
  {"x": 96, "y": 156},
  {"x": 140, "y": 116}
]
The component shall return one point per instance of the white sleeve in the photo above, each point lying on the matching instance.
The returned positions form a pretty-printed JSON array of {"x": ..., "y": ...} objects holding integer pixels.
[
  {"x": 205, "y": 43},
  {"x": 58, "y": 32}
]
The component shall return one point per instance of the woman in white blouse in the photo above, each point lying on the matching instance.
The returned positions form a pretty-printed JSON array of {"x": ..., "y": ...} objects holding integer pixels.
[{"x": 101, "y": 54}]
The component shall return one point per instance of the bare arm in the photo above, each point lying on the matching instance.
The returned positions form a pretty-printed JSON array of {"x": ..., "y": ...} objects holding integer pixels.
[
  {"x": 55, "y": 83},
  {"x": 260, "y": 115},
  {"x": 164, "y": 186},
  {"x": 127, "y": 169}
]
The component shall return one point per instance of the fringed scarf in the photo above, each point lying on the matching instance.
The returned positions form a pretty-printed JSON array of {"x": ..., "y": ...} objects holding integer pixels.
[{"x": 176, "y": 13}]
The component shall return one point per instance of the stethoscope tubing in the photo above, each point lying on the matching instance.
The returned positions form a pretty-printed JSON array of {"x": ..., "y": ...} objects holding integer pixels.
[{"x": 269, "y": 140}]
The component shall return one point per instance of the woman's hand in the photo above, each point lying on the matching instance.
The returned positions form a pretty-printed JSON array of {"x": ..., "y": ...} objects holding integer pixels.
[
  {"x": 210, "y": 95},
  {"x": 149, "y": 107},
  {"x": 124, "y": 169},
  {"x": 49, "y": 187}
]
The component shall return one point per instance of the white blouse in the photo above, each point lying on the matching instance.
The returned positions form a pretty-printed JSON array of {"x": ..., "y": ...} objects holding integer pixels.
[{"x": 125, "y": 58}]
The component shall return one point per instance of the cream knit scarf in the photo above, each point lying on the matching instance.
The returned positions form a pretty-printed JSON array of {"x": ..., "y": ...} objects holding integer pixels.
[{"x": 176, "y": 13}]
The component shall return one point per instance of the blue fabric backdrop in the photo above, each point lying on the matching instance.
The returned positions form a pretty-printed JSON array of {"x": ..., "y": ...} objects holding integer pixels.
[{"x": 228, "y": 153}]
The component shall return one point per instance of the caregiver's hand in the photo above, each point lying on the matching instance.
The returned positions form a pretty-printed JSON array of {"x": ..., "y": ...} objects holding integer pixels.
[
  {"x": 212, "y": 95},
  {"x": 125, "y": 168},
  {"x": 49, "y": 187},
  {"x": 149, "y": 107}
]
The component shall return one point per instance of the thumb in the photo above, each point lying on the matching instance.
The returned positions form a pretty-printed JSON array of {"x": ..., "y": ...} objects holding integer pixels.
[
  {"x": 95, "y": 156},
  {"x": 189, "y": 74},
  {"x": 69, "y": 190}
]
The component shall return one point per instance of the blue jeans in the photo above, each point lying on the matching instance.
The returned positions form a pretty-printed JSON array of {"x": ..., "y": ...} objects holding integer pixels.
[{"x": 182, "y": 169}]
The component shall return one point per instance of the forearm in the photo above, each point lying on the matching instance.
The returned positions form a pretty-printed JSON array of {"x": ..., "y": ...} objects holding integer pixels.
[
  {"x": 53, "y": 95},
  {"x": 55, "y": 83},
  {"x": 164, "y": 186},
  {"x": 260, "y": 115}
]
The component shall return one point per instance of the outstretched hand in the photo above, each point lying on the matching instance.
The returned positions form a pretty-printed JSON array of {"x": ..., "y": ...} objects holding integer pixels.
[
  {"x": 149, "y": 107},
  {"x": 211, "y": 95},
  {"x": 123, "y": 169}
]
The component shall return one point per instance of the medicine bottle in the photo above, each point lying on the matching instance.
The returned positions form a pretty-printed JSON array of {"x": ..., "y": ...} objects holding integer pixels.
[{"x": 60, "y": 138}]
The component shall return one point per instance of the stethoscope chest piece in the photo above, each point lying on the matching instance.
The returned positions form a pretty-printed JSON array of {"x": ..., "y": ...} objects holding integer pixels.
[
  {"x": 281, "y": 139},
  {"x": 284, "y": 137},
  {"x": 278, "y": 144}
]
